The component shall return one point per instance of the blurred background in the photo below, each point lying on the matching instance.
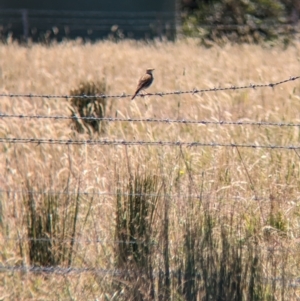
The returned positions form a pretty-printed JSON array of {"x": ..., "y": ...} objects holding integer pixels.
[
  {"x": 90, "y": 19},
  {"x": 210, "y": 20}
]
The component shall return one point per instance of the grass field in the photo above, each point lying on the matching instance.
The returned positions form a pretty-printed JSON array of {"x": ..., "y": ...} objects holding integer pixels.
[{"x": 163, "y": 222}]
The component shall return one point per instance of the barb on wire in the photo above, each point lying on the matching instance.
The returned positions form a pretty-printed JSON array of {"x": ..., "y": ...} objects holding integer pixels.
[
  {"x": 153, "y": 120},
  {"x": 123, "y": 95},
  {"x": 143, "y": 143}
]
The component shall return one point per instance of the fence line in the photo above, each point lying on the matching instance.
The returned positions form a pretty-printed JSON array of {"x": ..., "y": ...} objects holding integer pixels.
[
  {"x": 153, "y": 120},
  {"x": 200, "y": 196},
  {"x": 87, "y": 241},
  {"x": 59, "y": 270},
  {"x": 123, "y": 95},
  {"x": 144, "y": 143},
  {"x": 177, "y": 195},
  {"x": 291, "y": 282}
]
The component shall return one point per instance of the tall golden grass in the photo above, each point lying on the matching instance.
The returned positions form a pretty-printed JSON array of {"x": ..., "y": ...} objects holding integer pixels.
[{"x": 245, "y": 197}]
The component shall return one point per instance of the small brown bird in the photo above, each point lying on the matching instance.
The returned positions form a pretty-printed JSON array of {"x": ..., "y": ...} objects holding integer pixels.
[{"x": 144, "y": 83}]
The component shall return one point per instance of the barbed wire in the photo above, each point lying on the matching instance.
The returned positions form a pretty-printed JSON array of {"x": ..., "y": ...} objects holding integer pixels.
[
  {"x": 179, "y": 195},
  {"x": 200, "y": 196},
  {"x": 143, "y": 143},
  {"x": 56, "y": 270},
  {"x": 59, "y": 270},
  {"x": 153, "y": 120},
  {"x": 292, "y": 282},
  {"x": 123, "y": 95},
  {"x": 85, "y": 241}
]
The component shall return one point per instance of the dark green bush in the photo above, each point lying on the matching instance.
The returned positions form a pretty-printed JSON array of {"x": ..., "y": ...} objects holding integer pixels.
[
  {"x": 51, "y": 226},
  {"x": 136, "y": 206},
  {"x": 239, "y": 21}
]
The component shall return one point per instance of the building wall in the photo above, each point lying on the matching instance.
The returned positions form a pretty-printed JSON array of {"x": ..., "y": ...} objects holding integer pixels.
[
  {"x": 104, "y": 5},
  {"x": 90, "y": 19}
]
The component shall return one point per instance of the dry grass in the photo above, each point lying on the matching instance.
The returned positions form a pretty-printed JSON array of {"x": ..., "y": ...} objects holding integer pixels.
[{"x": 218, "y": 175}]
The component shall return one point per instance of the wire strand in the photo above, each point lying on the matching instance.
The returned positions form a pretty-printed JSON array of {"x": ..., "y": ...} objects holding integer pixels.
[
  {"x": 143, "y": 143},
  {"x": 56, "y": 270},
  {"x": 123, "y": 95},
  {"x": 153, "y": 120}
]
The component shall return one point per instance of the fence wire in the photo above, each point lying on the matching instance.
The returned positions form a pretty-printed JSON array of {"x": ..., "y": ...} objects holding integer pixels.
[
  {"x": 123, "y": 95},
  {"x": 154, "y": 120},
  {"x": 87, "y": 241},
  {"x": 59, "y": 270},
  {"x": 292, "y": 282},
  {"x": 65, "y": 271},
  {"x": 176, "y": 196},
  {"x": 144, "y": 143},
  {"x": 86, "y": 193},
  {"x": 199, "y": 197}
]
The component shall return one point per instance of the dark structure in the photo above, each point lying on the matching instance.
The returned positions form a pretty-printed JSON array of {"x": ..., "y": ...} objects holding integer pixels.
[{"x": 89, "y": 19}]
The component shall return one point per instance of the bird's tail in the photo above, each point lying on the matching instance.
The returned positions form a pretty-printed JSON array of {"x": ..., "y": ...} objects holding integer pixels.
[{"x": 135, "y": 94}]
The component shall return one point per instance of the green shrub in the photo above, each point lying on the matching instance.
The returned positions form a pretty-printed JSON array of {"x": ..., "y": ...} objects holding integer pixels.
[
  {"x": 136, "y": 207},
  {"x": 238, "y": 21},
  {"x": 51, "y": 226}
]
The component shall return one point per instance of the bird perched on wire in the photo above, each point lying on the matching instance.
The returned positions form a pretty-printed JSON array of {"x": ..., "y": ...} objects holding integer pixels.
[{"x": 144, "y": 82}]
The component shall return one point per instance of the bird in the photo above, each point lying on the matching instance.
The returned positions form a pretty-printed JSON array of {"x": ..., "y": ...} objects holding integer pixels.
[{"x": 144, "y": 82}]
